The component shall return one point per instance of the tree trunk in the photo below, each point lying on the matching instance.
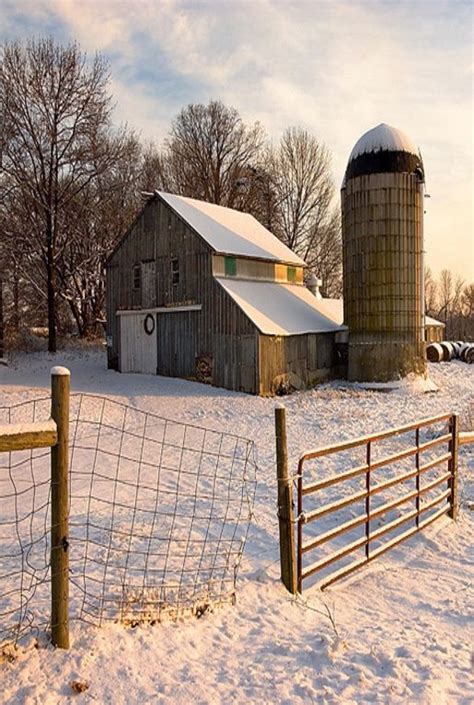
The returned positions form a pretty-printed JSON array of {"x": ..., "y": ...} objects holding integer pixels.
[
  {"x": 51, "y": 289},
  {"x": 1, "y": 320},
  {"x": 77, "y": 317},
  {"x": 16, "y": 302}
]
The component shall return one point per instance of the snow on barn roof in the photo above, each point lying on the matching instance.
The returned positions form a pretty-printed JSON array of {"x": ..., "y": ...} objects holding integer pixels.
[
  {"x": 433, "y": 322},
  {"x": 334, "y": 310},
  {"x": 229, "y": 231},
  {"x": 280, "y": 309},
  {"x": 384, "y": 138}
]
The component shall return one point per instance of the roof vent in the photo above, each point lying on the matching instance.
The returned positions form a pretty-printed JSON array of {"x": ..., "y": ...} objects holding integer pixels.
[{"x": 314, "y": 284}]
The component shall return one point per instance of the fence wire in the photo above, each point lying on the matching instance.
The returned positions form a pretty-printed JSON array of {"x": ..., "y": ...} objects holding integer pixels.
[{"x": 158, "y": 518}]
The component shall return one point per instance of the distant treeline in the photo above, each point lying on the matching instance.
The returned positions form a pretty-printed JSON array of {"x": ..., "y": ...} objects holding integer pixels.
[{"x": 451, "y": 300}]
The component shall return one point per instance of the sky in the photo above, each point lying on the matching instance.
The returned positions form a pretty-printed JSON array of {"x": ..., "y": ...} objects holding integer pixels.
[{"x": 335, "y": 68}]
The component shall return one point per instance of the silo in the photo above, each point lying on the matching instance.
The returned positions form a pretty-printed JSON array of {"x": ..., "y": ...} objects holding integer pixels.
[{"x": 382, "y": 225}]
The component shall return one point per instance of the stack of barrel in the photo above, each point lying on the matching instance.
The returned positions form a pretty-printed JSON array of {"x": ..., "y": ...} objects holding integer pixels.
[{"x": 446, "y": 351}]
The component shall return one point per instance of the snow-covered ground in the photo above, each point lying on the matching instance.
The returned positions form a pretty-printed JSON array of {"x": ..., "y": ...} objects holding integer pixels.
[{"x": 398, "y": 631}]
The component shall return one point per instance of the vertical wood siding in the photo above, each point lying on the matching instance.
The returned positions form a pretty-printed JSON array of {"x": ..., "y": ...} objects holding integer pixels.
[
  {"x": 138, "y": 349},
  {"x": 311, "y": 357}
]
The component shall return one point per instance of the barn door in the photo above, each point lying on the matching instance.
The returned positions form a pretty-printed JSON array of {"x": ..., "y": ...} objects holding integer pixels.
[
  {"x": 138, "y": 340},
  {"x": 148, "y": 284},
  {"x": 247, "y": 355}
]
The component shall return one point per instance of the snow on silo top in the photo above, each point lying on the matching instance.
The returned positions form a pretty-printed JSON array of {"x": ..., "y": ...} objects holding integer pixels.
[
  {"x": 384, "y": 138},
  {"x": 384, "y": 149}
]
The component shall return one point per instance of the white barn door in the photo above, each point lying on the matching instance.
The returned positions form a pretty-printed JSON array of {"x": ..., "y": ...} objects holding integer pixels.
[{"x": 138, "y": 341}]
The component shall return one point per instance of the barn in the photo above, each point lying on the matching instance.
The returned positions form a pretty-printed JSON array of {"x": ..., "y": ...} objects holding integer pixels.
[{"x": 199, "y": 291}]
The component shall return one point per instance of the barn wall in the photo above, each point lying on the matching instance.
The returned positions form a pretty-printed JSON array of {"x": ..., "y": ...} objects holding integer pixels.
[
  {"x": 233, "y": 339},
  {"x": 296, "y": 361},
  {"x": 254, "y": 269},
  {"x": 434, "y": 334},
  {"x": 220, "y": 333}
]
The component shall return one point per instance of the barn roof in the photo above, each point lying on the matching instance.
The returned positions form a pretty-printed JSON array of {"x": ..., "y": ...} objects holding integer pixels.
[
  {"x": 229, "y": 231},
  {"x": 334, "y": 309},
  {"x": 281, "y": 309}
]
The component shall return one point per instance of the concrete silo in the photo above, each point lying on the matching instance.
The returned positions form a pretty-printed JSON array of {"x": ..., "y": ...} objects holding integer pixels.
[{"x": 382, "y": 225}]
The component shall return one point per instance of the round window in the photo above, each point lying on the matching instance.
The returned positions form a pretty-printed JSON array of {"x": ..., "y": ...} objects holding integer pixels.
[{"x": 149, "y": 324}]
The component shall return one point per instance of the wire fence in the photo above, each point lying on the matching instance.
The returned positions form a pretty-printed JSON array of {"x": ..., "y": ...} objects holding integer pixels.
[{"x": 159, "y": 512}]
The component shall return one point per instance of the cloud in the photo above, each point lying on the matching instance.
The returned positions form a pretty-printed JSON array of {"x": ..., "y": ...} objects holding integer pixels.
[{"x": 336, "y": 68}]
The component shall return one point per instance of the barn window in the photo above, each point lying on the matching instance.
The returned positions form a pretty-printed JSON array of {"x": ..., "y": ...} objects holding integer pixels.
[
  {"x": 137, "y": 277},
  {"x": 175, "y": 270},
  {"x": 230, "y": 265},
  {"x": 291, "y": 274}
]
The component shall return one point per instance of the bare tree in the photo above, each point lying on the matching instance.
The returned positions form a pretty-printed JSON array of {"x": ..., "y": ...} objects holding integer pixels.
[
  {"x": 446, "y": 294},
  {"x": 210, "y": 151},
  {"x": 431, "y": 293},
  {"x": 309, "y": 222},
  {"x": 53, "y": 104},
  {"x": 451, "y": 301},
  {"x": 467, "y": 300},
  {"x": 97, "y": 218},
  {"x": 155, "y": 170}
]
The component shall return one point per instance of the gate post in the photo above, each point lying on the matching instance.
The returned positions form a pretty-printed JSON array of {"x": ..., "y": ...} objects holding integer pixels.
[
  {"x": 60, "y": 385},
  {"x": 285, "y": 504},
  {"x": 453, "y": 466}
]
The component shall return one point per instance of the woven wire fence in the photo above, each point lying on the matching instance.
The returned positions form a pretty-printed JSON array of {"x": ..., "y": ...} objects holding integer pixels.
[
  {"x": 158, "y": 518},
  {"x": 24, "y": 527}
]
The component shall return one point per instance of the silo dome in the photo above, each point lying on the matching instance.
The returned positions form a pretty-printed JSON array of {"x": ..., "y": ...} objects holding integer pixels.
[
  {"x": 382, "y": 229},
  {"x": 384, "y": 149}
]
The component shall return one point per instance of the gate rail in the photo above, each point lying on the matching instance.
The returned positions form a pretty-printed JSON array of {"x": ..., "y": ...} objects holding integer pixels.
[{"x": 447, "y": 497}]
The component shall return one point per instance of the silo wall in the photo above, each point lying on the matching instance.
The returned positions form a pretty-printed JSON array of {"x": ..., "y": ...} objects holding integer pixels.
[{"x": 382, "y": 218}]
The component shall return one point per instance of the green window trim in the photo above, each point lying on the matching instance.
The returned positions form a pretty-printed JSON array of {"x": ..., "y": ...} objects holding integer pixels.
[
  {"x": 230, "y": 266},
  {"x": 291, "y": 274}
]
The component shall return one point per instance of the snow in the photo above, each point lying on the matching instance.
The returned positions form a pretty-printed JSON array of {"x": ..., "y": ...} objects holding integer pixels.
[
  {"x": 281, "y": 309},
  {"x": 334, "y": 310},
  {"x": 398, "y": 631},
  {"x": 384, "y": 138},
  {"x": 38, "y": 427},
  {"x": 229, "y": 231},
  {"x": 433, "y": 322},
  {"x": 59, "y": 371}
]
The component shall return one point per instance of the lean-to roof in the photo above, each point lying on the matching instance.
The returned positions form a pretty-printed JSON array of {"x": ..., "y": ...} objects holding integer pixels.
[{"x": 281, "y": 309}]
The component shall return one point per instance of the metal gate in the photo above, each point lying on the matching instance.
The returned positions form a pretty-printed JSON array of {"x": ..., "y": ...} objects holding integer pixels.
[{"x": 431, "y": 482}]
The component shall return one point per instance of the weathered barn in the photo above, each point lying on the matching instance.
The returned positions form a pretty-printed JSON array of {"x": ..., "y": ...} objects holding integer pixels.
[{"x": 199, "y": 291}]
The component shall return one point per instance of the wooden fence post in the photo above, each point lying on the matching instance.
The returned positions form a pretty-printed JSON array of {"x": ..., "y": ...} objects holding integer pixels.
[
  {"x": 60, "y": 386},
  {"x": 453, "y": 466},
  {"x": 285, "y": 504}
]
